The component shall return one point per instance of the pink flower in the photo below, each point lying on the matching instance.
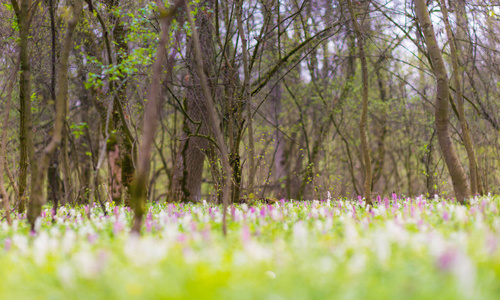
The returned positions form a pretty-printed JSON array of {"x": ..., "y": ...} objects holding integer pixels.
[
  {"x": 181, "y": 238},
  {"x": 118, "y": 227},
  {"x": 8, "y": 244},
  {"x": 245, "y": 235},
  {"x": 263, "y": 212},
  {"x": 446, "y": 260},
  {"x": 92, "y": 237}
]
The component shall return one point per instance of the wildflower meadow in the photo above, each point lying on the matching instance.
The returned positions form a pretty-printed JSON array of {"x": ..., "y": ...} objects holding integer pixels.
[{"x": 402, "y": 248}]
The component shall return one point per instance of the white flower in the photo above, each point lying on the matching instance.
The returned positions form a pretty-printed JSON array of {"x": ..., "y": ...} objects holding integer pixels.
[
  {"x": 357, "y": 263},
  {"x": 257, "y": 252},
  {"x": 270, "y": 274},
  {"x": 382, "y": 246},
  {"x": 325, "y": 264},
  {"x": 68, "y": 241},
  {"x": 38, "y": 224},
  {"x": 299, "y": 234},
  {"x": 21, "y": 242},
  {"x": 66, "y": 275},
  {"x": 86, "y": 263},
  {"x": 145, "y": 250},
  {"x": 41, "y": 247}
]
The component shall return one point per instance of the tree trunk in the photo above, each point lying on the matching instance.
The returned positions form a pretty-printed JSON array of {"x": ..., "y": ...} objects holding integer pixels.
[
  {"x": 188, "y": 168},
  {"x": 25, "y": 136},
  {"x": 150, "y": 117},
  {"x": 213, "y": 117},
  {"x": 247, "y": 99},
  {"x": 456, "y": 54},
  {"x": 53, "y": 188},
  {"x": 124, "y": 166},
  {"x": 39, "y": 174},
  {"x": 455, "y": 168},
  {"x": 364, "y": 112},
  {"x": 3, "y": 140}
]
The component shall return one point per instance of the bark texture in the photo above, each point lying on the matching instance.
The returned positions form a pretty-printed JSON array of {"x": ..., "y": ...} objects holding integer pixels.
[
  {"x": 442, "y": 114},
  {"x": 459, "y": 100},
  {"x": 139, "y": 187},
  {"x": 364, "y": 111},
  {"x": 39, "y": 173},
  {"x": 188, "y": 169}
]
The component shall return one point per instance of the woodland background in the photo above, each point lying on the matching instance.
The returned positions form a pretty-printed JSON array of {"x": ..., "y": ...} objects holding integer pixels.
[{"x": 272, "y": 102}]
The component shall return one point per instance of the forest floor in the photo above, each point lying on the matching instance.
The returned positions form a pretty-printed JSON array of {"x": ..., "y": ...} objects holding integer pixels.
[{"x": 402, "y": 249}]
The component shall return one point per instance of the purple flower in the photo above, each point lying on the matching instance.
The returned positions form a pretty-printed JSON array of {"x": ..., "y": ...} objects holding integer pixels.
[
  {"x": 8, "y": 244},
  {"x": 92, "y": 237},
  {"x": 446, "y": 217},
  {"x": 446, "y": 260},
  {"x": 181, "y": 238},
  {"x": 233, "y": 212},
  {"x": 263, "y": 212},
  {"x": 118, "y": 227},
  {"x": 206, "y": 234},
  {"x": 245, "y": 235}
]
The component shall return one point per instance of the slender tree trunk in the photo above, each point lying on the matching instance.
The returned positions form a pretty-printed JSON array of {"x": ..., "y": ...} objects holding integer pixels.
[
  {"x": 247, "y": 99},
  {"x": 25, "y": 136},
  {"x": 3, "y": 149},
  {"x": 379, "y": 161},
  {"x": 364, "y": 112},
  {"x": 121, "y": 155},
  {"x": 188, "y": 168},
  {"x": 38, "y": 178},
  {"x": 53, "y": 188},
  {"x": 213, "y": 119},
  {"x": 139, "y": 193},
  {"x": 455, "y": 168},
  {"x": 459, "y": 100}
]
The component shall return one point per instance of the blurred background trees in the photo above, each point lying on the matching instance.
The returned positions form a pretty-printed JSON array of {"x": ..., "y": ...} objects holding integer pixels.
[{"x": 286, "y": 80}]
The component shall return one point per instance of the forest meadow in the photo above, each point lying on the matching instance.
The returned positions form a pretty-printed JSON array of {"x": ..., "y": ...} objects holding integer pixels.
[{"x": 249, "y": 149}]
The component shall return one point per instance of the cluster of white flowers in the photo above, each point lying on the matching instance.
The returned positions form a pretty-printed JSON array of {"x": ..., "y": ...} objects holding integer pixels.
[{"x": 325, "y": 236}]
